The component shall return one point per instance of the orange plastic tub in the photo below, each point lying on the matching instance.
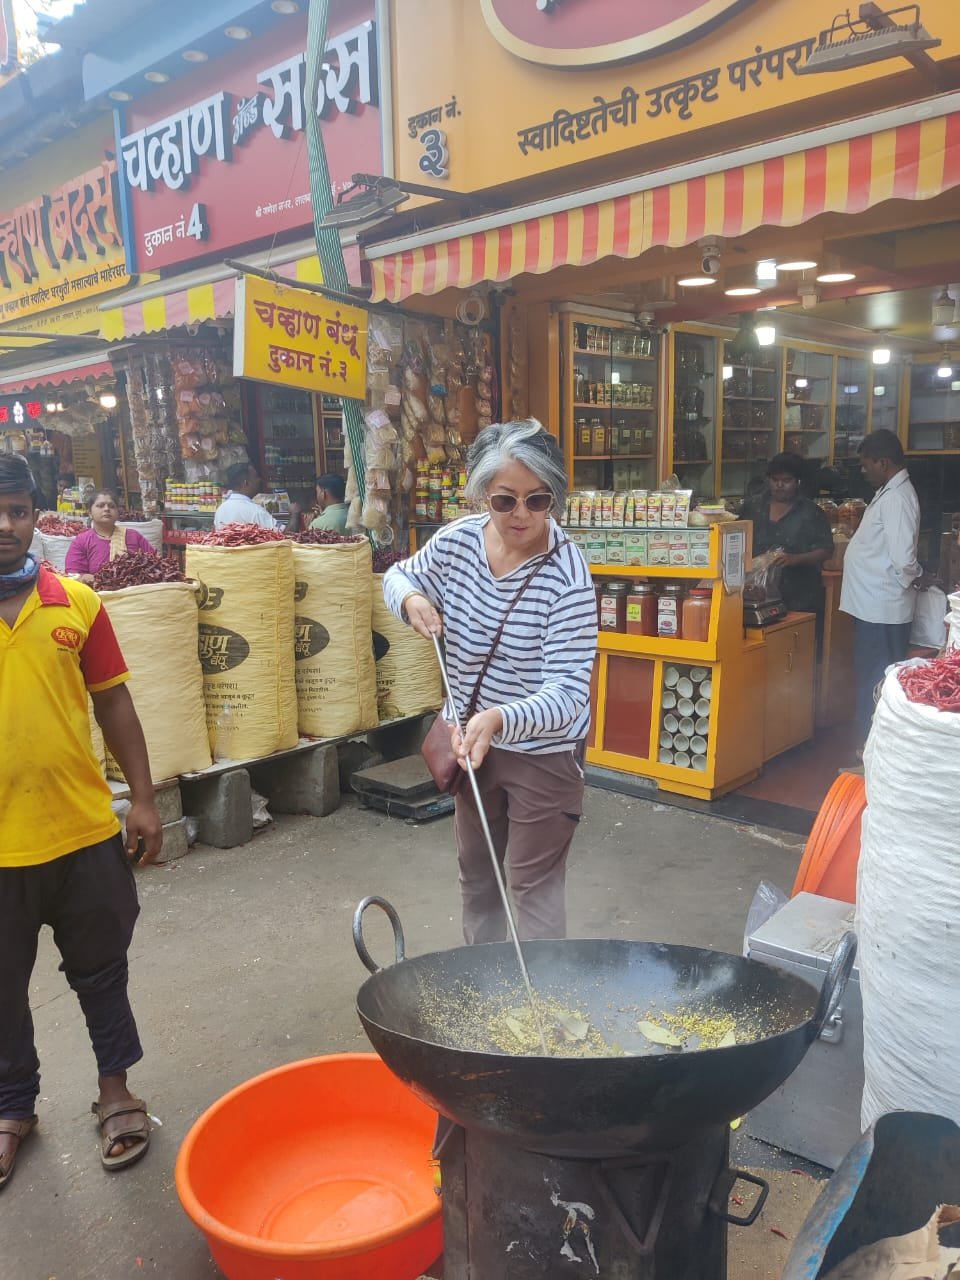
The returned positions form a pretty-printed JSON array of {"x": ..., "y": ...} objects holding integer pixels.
[
  {"x": 832, "y": 855},
  {"x": 320, "y": 1170}
]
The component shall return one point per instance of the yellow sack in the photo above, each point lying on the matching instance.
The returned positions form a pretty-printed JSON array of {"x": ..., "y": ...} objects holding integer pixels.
[
  {"x": 246, "y": 647},
  {"x": 408, "y": 677},
  {"x": 96, "y": 737},
  {"x": 336, "y": 676},
  {"x": 156, "y": 628}
]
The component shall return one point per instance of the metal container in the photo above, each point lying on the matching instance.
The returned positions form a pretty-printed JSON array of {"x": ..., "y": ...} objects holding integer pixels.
[{"x": 816, "y": 1113}]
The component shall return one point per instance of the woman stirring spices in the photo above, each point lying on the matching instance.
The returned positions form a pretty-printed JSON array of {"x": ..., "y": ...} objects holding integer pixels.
[
  {"x": 527, "y": 720},
  {"x": 103, "y": 541},
  {"x": 783, "y": 518}
]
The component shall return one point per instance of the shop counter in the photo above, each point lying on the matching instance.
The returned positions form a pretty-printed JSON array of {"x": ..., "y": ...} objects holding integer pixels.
[
  {"x": 836, "y": 685},
  {"x": 790, "y": 650}
]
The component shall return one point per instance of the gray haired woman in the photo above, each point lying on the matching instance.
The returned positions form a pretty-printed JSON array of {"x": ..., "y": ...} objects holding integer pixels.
[{"x": 531, "y": 711}]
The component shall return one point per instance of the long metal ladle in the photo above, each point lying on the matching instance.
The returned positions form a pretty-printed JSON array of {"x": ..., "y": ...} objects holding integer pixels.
[{"x": 497, "y": 870}]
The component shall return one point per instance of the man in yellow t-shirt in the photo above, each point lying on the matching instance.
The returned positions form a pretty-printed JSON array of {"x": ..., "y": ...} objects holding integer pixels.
[{"x": 62, "y": 861}]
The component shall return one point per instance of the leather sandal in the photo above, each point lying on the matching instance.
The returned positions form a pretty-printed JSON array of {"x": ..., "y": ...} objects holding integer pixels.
[
  {"x": 20, "y": 1129},
  {"x": 137, "y": 1127}
]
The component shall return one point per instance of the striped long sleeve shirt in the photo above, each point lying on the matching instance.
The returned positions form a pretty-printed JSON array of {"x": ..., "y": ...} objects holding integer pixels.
[{"x": 539, "y": 678}]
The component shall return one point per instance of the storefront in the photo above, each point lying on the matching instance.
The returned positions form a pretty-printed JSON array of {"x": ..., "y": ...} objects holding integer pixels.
[
  {"x": 707, "y": 242},
  {"x": 213, "y": 167}
]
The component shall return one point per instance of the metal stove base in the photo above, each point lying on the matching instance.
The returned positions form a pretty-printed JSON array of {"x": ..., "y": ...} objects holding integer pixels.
[{"x": 511, "y": 1214}]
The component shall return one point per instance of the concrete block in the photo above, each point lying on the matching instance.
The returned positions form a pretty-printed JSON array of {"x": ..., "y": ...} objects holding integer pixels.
[
  {"x": 401, "y": 739},
  {"x": 169, "y": 802},
  {"x": 222, "y": 806},
  {"x": 175, "y": 843},
  {"x": 308, "y": 782},
  {"x": 353, "y": 756}
]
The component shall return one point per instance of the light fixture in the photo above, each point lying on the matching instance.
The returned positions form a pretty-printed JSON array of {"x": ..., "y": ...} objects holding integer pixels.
[
  {"x": 809, "y": 295},
  {"x": 873, "y": 37},
  {"x": 285, "y": 6},
  {"x": 851, "y": 390},
  {"x": 696, "y": 282},
  {"x": 766, "y": 335},
  {"x": 120, "y": 95},
  {"x": 945, "y": 370},
  {"x": 766, "y": 271},
  {"x": 742, "y": 291},
  {"x": 836, "y": 277},
  {"x": 944, "y": 309},
  {"x": 801, "y": 264},
  {"x": 194, "y": 55},
  {"x": 377, "y": 198},
  {"x": 615, "y": 378},
  {"x": 59, "y": 407},
  {"x": 801, "y": 384},
  {"x": 51, "y": 407},
  {"x": 727, "y": 372},
  {"x": 237, "y": 33},
  {"x": 880, "y": 391},
  {"x": 108, "y": 400},
  {"x": 881, "y": 355},
  {"x": 156, "y": 77},
  {"x": 955, "y": 386}
]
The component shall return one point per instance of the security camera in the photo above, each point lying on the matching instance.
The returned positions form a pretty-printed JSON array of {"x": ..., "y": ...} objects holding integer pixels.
[{"x": 709, "y": 256}]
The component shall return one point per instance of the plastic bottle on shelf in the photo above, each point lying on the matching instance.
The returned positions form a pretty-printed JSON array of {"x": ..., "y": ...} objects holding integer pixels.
[{"x": 223, "y": 733}]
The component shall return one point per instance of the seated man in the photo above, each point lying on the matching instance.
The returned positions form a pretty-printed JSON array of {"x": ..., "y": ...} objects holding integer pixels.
[{"x": 330, "y": 499}]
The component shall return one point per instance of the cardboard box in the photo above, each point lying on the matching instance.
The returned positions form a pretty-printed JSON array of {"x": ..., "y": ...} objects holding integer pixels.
[
  {"x": 699, "y": 547},
  {"x": 615, "y": 547},
  {"x": 595, "y": 549},
  {"x": 635, "y": 549},
  {"x": 679, "y": 549},
  {"x": 658, "y": 547}
]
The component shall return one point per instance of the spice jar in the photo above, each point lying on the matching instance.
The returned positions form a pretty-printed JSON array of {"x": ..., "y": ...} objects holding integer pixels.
[
  {"x": 642, "y": 610},
  {"x": 669, "y": 610},
  {"x": 613, "y": 606},
  {"x": 696, "y": 614}
]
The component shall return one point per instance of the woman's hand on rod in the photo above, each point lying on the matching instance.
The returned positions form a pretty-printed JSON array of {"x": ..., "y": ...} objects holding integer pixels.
[
  {"x": 422, "y": 615},
  {"x": 479, "y": 735}
]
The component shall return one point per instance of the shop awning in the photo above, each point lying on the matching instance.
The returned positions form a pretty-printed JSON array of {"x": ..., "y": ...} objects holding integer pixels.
[
  {"x": 208, "y": 294},
  {"x": 848, "y": 174},
  {"x": 55, "y": 373}
]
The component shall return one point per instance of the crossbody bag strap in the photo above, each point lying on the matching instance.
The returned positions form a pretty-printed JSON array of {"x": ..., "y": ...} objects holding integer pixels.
[{"x": 472, "y": 704}]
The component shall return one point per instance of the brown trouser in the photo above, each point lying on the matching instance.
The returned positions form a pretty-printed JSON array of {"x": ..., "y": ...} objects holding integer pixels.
[{"x": 533, "y": 804}]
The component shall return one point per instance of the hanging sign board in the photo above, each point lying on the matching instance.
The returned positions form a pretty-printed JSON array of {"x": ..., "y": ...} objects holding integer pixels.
[{"x": 297, "y": 338}]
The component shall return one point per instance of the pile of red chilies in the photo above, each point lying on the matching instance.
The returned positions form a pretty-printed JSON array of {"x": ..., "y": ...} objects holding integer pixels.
[
  {"x": 131, "y": 517},
  {"x": 59, "y": 528},
  {"x": 383, "y": 560},
  {"x": 325, "y": 537},
  {"x": 234, "y": 535},
  {"x": 934, "y": 684},
  {"x": 136, "y": 569}
]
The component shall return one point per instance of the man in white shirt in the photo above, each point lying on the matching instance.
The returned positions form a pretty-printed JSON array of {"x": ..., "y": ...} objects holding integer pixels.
[
  {"x": 243, "y": 481},
  {"x": 880, "y": 569}
]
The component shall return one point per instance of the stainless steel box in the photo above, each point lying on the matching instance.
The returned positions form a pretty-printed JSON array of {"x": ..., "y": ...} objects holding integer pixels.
[{"x": 816, "y": 1113}]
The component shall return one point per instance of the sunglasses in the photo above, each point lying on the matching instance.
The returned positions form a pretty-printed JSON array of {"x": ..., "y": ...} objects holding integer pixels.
[{"x": 504, "y": 502}]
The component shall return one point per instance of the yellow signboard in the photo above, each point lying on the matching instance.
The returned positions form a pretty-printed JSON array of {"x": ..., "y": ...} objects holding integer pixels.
[
  {"x": 61, "y": 243},
  {"x": 298, "y": 338},
  {"x": 491, "y": 91}
]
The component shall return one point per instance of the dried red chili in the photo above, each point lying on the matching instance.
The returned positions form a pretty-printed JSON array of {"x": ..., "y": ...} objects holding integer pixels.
[
  {"x": 234, "y": 535},
  {"x": 935, "y": 683},
  {"x": 136, "y": 569},
  {"x": 326, "y": 537},
  {"x": 59, "y": 528},
  {"x": 383, "y": 560}
]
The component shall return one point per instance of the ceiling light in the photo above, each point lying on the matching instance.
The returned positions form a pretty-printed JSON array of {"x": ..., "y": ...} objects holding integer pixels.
[
  {"x": 955, "y": 386},
  {"x": 194, "y": 55},
  {"x": 801, "y": 264},
  {"x": 120, "y": 95},
  {"x": 156, "y": 77},
  {"x": 767, "y": 271},
  {"x": 285, "y": 6},
  {"x": 727, "y": 372},
  {"x": 742, "y": 291},
  {"x": 945, "y": 371},
  {"x": 809, "y": 295},
  {"x": 943, "y": 308},
  {"x": 696, "y": 282},
  {"x": 237, "y": 33},
  {"x": 108, "y": 400},
  {"x": 881, "y": 355},
  {"x": 59, "y": 407},
  {"x": 51, "y": 407},
  {"x": 851, "y": 390},
  {"x": 880, "y": 391},
  {"x": 766, "y": 335},
  {"x": 836, "y": 277},
  {"x": 801, "y": 384}
]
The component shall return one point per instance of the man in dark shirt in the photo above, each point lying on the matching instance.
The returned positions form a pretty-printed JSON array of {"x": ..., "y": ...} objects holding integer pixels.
[{"x": 783, "y": 518}]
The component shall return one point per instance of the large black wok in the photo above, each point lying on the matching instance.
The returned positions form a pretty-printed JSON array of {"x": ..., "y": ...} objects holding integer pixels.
[{"x": 593, "y": 1107}]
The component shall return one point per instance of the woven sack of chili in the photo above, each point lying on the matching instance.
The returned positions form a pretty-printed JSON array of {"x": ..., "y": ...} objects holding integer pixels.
[
  {"x": 156, "y": 628},
  {"x": 152, "y": 530},
  {"x": 246, "y": 646},
  {"x": 55, "y": 548},
  {"x": 336, "y": 676},
  {"x": 908, "y": 905},
  {"x": 96, "y": 737},
  {"x": 408, "y": 677}
]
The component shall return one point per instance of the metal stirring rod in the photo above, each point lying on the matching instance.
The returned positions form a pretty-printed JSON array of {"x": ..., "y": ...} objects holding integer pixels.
[{"x": 498, "y": 873}]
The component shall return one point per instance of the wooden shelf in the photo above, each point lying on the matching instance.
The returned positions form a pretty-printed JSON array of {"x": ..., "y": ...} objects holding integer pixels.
[
  {"x": 611, "y": 457},
  {"x": 609, "y": 355},
  {"x": 730, "y": 430},
  {"x": 648, "y": 571},
  {"x": 666, "y": 647},
  {"x": 744, "y": 461},
  {"x": 698, "y": 462},
  {"x": 761, "y": 399},
  {"x": 618, "y": 408},
  {"x": 753, "y": 368},
  {"x": 813, "y": 404}
]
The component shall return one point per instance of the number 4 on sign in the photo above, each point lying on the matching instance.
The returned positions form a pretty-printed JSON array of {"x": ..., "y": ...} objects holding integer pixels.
[{"x": 198, "y": 226}]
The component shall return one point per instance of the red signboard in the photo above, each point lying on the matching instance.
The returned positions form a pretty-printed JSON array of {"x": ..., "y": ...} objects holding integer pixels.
[
  {"x": 219, "y": 160},
  {"x": 584, "y": 33}
]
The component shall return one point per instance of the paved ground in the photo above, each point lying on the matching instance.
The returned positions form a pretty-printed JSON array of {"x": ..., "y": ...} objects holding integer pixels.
[{"x": 243, "y": 961}]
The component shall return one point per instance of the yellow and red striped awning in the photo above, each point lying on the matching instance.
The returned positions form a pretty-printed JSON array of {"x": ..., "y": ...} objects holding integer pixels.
[{"x": 914, "y": 161}]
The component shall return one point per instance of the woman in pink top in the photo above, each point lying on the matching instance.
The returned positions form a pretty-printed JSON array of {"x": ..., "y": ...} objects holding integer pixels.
[{"x": 93, "y": 548}]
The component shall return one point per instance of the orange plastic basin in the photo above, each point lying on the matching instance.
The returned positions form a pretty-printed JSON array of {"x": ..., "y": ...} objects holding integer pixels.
[
  {"x": 316, "y": 1170},
  {"x": 832, "y": 855}
]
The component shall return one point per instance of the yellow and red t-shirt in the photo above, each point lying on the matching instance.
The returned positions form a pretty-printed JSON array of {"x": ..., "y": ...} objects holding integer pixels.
[{"x": 53, "y": 797}]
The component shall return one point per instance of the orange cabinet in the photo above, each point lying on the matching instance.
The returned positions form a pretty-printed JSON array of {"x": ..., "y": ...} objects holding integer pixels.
[{"x": 791, "y": 651}]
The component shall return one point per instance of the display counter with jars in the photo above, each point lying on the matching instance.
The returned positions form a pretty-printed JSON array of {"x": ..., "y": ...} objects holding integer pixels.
[{"x": 677, "y": 688}]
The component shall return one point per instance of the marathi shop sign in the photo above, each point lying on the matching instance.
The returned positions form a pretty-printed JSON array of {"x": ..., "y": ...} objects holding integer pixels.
[
  {"x": 61, "y": 242},
  {"x": 298, "y": 338},
  {"x": 220, "y": 160},
  {"x": 556, "y": 82}
]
